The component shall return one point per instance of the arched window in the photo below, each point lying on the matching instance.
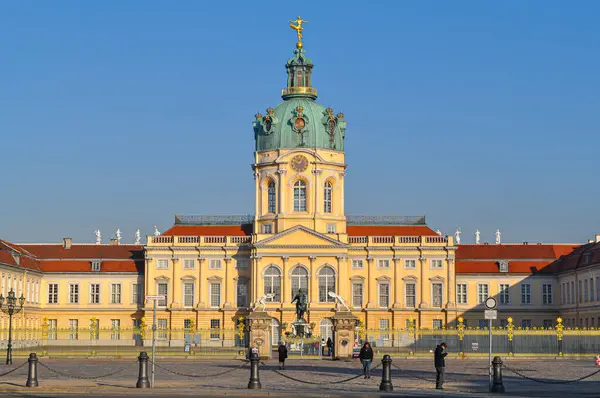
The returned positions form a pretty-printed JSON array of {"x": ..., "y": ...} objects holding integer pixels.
[
  {"x": 299, "y": 196},
  {"x": 273, "y": 283},
  {"x": 299, "y": 280},
  {"x": 271, "y": 196},
  {"x": 275, "y": 332},
  {"x": 327, "y": 197},
  {"x": 326, "y": 284},
  {"x": 326, "y": 329}
]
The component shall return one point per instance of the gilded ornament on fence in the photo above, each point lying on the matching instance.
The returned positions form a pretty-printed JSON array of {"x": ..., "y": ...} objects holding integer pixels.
[
  {"x": 460, "y": 328},
  {"x": 240, "y": 327},
  {"x": 361, "y": 330},
  {"x": 143, "y": 328},
  {"x": 192, "y": 326},
  {"x": 45, "y": 329}
]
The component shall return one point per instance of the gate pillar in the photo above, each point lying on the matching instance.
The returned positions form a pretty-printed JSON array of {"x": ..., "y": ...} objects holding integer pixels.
[
  {"x": 259, "y": 325},
  {"x": 344, "y": 324}
]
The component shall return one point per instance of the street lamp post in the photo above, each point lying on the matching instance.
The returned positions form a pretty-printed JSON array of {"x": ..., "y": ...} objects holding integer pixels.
[{"x": 11, "y": 308}]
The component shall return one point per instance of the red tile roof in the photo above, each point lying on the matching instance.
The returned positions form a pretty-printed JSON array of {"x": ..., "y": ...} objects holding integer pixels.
[
  {"x": 12, "y": 254},
  {"x": 522, "y": 258},
  {"x": 79, "y": 251},
  {"x": 209, "y": 230},
  {"x": 583, "y": 256},
  {"x": 85, "y": 266},
  {"x": 389, "y": 230}
]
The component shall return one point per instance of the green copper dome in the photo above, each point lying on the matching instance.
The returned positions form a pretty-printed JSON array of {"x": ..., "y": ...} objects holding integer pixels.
[{"x": 299, "y": 121}]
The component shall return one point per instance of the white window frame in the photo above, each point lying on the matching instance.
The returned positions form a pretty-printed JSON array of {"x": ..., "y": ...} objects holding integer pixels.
[
  {"x": 74, "y": 295},
  {"x": 242, "y": 282},
  {"x": 52, "y": 293},
  {"x": 96, "y": 265},
  {"x": 214, "y": 263},
  {"x": 525, "y": 293},
  {"x": 383, "y": 263},
  {"x": 436, "y": 263},
  {"x": 331, "y": 228},
  {"x": 504, "y": 294},
  {"x": 410, "y": 263},
  {"x": 116, "y": 293},
  {"x": 330, "y": 280},
  {"x": 480, "y": 293},
  {"x": 441, "y": 295},
  {"x": 362, "y": 294},
  {"x": 162, "y": 303},
  {"x": 379, "y": 286},
  {"x": 162, "y": 263},
  {"x": 271, "y": 197},
  {"x": 300, "y": 200},
  {"x": 462, "y": 296},
  {"x": 94, "y": 294},
  {"x": 215, "y": 329},
  {"x": 547, "y": 294},
  {"x": 185, "y": 295},
  {"x": 357, "y": 263},
  {"x": 136, "y": 293},
  {"x": 187, "y": 262},
  {"x": 406, "y": 304},
  {"x": 210, "y": 294},
  {"x": 328, "y": 197},
  {"x": 267, "y": 228}
]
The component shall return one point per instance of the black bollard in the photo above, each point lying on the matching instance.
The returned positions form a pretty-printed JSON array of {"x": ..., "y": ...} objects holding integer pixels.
[
  {"x": 386, "y": 377},
  {"x": 497, "y": 385},
  {"x": 142, "y": 381},
  {"x": 32, "y": 380},
  {"x": 254, "y": 383}
]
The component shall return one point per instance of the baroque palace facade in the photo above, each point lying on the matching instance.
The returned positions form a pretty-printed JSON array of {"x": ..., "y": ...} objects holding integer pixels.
[{"x": 212, "y": 270}]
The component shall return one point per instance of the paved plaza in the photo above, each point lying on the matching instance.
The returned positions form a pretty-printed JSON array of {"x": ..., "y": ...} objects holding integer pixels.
[{"x": 62, "y": 377}]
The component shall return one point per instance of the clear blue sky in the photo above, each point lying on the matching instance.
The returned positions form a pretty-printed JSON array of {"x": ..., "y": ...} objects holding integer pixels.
[{"x": 119, "y": 114}]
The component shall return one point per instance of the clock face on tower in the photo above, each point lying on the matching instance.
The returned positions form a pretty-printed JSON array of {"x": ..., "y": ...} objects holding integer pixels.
[{"x": 299, "y": 163}]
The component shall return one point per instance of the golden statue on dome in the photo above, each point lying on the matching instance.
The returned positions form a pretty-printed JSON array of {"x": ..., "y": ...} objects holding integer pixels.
[{"x": 298, "y": 28}]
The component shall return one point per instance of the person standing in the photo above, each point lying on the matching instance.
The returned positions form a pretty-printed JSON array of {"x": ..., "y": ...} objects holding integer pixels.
[
  {"x": 329, "y": 346},
  {"x": 283, "y": 352},
  {"x": 366, "y": 357},
  {"x": 440, "y": 365}
]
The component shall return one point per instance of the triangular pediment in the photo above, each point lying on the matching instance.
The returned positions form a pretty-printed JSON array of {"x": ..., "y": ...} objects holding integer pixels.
[{"x": 299, "y": 236}]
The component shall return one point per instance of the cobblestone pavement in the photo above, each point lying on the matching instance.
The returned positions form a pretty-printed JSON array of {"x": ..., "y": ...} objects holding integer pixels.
[{"x": 414, "y": 377}]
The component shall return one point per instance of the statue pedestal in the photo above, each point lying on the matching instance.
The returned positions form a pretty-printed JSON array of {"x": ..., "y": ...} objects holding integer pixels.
[
  {"x": 259, "y": 325},
  {"x": 344, "y": 324}
]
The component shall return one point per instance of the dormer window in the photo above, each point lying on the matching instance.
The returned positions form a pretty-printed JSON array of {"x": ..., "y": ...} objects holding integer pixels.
[
  {"x": 588, "y": 258},
  {"x": 96, "y": 265},
  {"x": 503, "y": 265}
]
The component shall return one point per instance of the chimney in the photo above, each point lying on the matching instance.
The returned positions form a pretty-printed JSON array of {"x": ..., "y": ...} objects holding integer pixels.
[
  {"x": 67, "y": 242},
  {"x": 597, "y": 238},
  {"x": 591, "y": 241},
  {"x": 114, "y": 242}
]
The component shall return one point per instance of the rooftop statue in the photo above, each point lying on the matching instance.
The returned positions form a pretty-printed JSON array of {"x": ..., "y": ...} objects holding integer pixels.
[
  {"x": 118, "y": 235},
  {"x": 156, "y": 231},
  {"x": 498, "y": 237},
  {"x": 457, "y": 236},
  {"x": 298, "y": 28},
  {"x": 138, "y": 237},
  {"x": 477, "y": 237},
  {"x": 98, "y": 237}
]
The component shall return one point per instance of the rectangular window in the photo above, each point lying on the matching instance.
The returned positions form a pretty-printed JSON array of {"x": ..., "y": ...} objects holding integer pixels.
[
  {"x": 436, "y": 294},
  {"x": 384, "y": 324},
  {"x": 215, "y": 326},
  {"x": 437, "y": 264},
  {"x": 412, "y": 264},
  {"x": 357, "y": 264},
  {"x": 74, "y": 294},
  {"x": 73, "y": 329},
  {"x": 267, "y": 228},
  {"x": 187, "y": 323},
  {"x": 597, "y": 288},
  {"x": 580, "y": 295},
  {"x": 163, "y": 290},
  {"x": 96, "y": 265},
  {"x": 384, "y": 295},
  {"x": 215, "y": 264},
  {"x": 572, "y": 292},
  {"x": 189, "y": 264},
  {"x": 568, "y": 293},
  {"x": 548, "y": 323},
  {"x": 161, "y": 325},
  {"x": 385, "y": 264},
  {"x": 461, "y": 293},
  {"x": 162, "y": 264},
  {"x": 136, "y": 293},
  {"x": 242, "y": 263},
  {"x": 52, "y": 326},
  {"x": 188, "y": 294},
  {"x": 357, "y": 295},
  {"x": 591, "y": 289},
  {"x": 483, "y": 291},
  {"x": 215, "y": 295},
  {"x": 242, "y": 293},
  {"x": 53, "y": 293},
  {"x": 525, "y": 293},
  {"x": 115, "y": 329},
  {"x": 503, "y": 293},
  {"x": 95, "y": 293},
  {"x": 299, "y": 196},
  {"x": 547, "y": 296},
  {"x": 526, "y": 323},
  {"x": 586, "y": 293},
  {"x": 437, "y": 324},
  {"x": 115, "y": 293},
  {"x": 327, "y": 198},
  {"x": 411, "y": 294},
  {"x": 562, "y": 293},
  {"x": 331, "y": 228}
]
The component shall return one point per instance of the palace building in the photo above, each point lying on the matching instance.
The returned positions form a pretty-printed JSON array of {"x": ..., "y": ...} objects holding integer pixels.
[{"x": 213, "y": 270}]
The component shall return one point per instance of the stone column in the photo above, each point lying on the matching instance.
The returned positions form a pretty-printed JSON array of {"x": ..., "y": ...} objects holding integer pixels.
[
  {"x": 396, "y": 284},
  {"x": 312, "y": 280},
  {"x": 343, "y": 337},
  {"x": 423, "y": 261},
  {"x": 258, "y": 196},
  {"x": 201, "y": 284},
  {"x": 176, "y": 286},
  {"x": 282, "y": 184},
  {"x": 341, "y": 211},
  {"x": 451, "y": 268},
  {"x": 259, "y": 325},
  {"x": 370, "y": 302},
  {"x": 285, "y": 297},
  {"x": 317, "y": 205},
  {"x": 228, "y": 285}
]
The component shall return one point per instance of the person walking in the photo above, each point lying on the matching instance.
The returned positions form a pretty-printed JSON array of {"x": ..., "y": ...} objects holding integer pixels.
[
  {"x": 366, "y": 357},
  {"x": 440, "y": 365},
  {"x": 283, "y": 352},
  {"x": 329, "y": 346}
]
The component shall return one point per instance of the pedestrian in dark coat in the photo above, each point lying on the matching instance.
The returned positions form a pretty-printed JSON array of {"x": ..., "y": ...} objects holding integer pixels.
[
  {"x": 366, "y": 357},
  {"x": 282, "y": 350},
  {"x": 440, "y": 365},
  {"x": 329, "y": 346}
]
